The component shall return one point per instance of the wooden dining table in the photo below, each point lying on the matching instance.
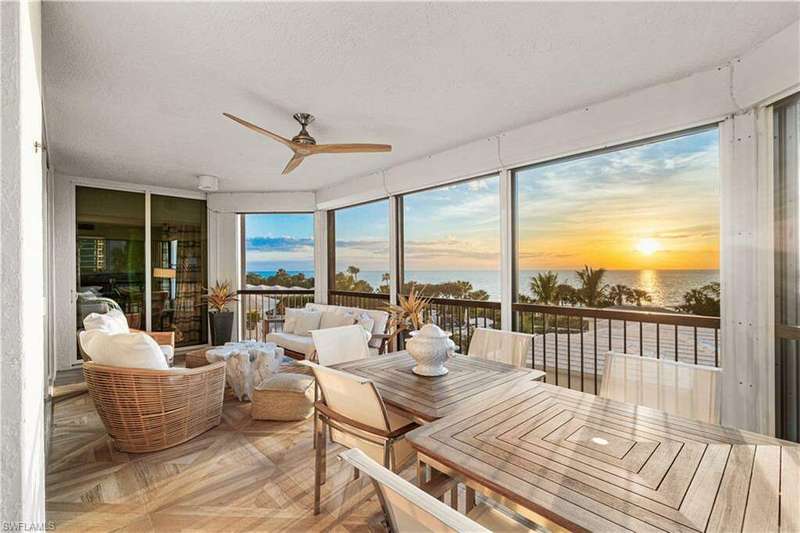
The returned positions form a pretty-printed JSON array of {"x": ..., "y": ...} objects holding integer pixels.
[
  {"x": 574, "y": 461},
  {"x": 425, "y": 399}
]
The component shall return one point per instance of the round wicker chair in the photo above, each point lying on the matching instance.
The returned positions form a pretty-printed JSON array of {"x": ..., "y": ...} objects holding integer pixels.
[{"x": 150, "y": 410}]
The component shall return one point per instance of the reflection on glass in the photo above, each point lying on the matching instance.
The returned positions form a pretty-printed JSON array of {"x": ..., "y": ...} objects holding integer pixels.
[
  {"x": 179, "y": 238},
  {"x": 636, "y": 226},
  {"x": 279, "y": 250},
  {"x": 110, "y": 252},
  {"x": 452, "y": 240},
  {"x": 362, "y": 248}
]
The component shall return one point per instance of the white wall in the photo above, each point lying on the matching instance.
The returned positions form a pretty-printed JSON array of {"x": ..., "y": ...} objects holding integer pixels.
[{"x": 22, "y": 368}]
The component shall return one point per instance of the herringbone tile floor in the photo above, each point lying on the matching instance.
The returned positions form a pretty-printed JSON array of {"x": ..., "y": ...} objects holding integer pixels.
[{"x": 243, "y": 475}]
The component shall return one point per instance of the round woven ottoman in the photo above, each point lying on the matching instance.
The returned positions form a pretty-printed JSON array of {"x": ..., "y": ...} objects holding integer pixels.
[
  {"x": 284, "y": 397},
  {"x": 196, "y": 358}
]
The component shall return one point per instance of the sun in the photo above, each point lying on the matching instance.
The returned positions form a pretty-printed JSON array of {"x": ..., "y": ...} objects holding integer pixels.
[{"x": 648, "y": 246}]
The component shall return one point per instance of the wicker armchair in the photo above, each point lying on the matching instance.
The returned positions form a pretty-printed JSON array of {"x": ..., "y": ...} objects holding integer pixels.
[{"x": 150, "y": 410}]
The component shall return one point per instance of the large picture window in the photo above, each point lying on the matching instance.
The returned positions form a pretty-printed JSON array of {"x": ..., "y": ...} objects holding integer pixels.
[
  {"x": 632, "y": 227},
  {"x": 279, "y": 250},
  {"x": 361, "y": 248},
  {"x": 451, "y": 241}
]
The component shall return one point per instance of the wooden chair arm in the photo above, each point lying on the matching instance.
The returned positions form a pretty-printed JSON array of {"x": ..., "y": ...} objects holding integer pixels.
[
  {"x": 162, "y": 338},
  {"x": 333, "y": 415}
]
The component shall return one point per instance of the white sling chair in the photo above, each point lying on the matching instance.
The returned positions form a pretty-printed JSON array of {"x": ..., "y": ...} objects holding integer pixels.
[
  {"x": 354, "y": 411},
  {"x": 678, "y": 388},
  {"x": 407, "y": 508},
  {"x": 503, "y": 346},
  {"x": 342, "y": 344}
]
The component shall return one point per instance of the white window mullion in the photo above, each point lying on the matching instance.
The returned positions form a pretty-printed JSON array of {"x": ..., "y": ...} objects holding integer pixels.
[
  {"x": 394, "y": 247},
  {"x": 506, "y": 249}
]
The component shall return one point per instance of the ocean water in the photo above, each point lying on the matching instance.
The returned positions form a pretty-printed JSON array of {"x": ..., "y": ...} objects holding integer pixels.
[{"x": 665, "y": 286}]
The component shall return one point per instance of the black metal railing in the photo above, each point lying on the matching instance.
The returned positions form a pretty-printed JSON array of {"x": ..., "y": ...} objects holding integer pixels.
[
  {"x": 263, "y": 310},
  {"x": 570, "y": 343},
  {"x": 362, "y": 300},
  {"x": 461, "y": 317}
]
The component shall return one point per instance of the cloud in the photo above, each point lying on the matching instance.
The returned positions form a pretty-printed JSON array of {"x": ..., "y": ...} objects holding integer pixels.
[{"x": 278, "y": 244}]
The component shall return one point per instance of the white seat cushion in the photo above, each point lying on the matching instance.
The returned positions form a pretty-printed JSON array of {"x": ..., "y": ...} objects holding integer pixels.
[
  {"x": 128, "y": 350},
  {"x": 290, "y": 341},
  {"x": 112, "y": 322}
]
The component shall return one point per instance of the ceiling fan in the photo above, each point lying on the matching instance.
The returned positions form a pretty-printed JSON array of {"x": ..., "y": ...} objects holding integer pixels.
[{"x": 304, "y": 145}]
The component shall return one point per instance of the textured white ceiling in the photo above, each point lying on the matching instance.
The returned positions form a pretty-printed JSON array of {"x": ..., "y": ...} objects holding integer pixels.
[{"x": 135, "y": 92}]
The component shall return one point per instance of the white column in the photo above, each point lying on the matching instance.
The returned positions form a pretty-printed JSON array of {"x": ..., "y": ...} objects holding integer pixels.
[
  {"x": 394, "y": 248},
  {"x": 321, "y": 256},
  {"x": 746, "y": 274},
  {"x": 224, "y": 264},
  {"x": 22, "y": 365},
  {"x": 506, "y": 248}
]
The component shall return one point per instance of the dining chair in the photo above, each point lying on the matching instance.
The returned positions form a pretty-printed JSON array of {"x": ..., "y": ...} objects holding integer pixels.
[
  {"x": 503, "y": 346},
  {"x": 340, "y": 344},
  {"x": 678, "y": 388},
  {"x": 353, "y": 412},
  {"x": 408, "y": 508}
]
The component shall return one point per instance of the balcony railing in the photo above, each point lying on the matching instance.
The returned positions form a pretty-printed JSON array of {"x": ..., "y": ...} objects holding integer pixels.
[
  {"x": 569, "y": 343},
  {"x": 362, "y": 300},
  {"x": 461, "y": 317},
  {"x": 262, "y": 309}
]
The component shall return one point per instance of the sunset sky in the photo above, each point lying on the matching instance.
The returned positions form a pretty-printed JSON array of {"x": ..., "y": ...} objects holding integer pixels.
[{"x": 654, "y": 206}]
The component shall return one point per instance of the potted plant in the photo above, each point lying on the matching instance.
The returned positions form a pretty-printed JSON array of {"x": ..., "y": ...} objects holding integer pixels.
[
  {"x": 408, "y": 314},
  {"x": 220, "y": 318},
  {"x": 252, "y": 318}
]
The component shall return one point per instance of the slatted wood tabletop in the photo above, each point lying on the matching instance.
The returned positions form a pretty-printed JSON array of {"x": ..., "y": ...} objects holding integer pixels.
[
  {"x": 580, "y": 462},
  {"x": 430, "y": 398}
]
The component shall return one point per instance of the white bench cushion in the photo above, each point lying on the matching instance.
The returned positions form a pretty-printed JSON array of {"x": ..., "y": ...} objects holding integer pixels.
[
  {"x": 380, "y": 317},
  {"x": 290, "y": 341}
]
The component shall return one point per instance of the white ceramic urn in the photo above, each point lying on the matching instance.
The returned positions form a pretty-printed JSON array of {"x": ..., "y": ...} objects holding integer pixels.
[{"x": 431, "y": 348}]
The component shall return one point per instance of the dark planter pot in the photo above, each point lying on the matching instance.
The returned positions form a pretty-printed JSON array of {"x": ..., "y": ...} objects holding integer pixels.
[{"x": 221, "y": 327}]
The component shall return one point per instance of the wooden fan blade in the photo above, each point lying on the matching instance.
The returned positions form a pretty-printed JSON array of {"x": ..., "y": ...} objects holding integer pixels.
[
  {"x": 348, "y": 148},
  {"x": 262, "y": 131},
  {"x": 293, "y": 163}
]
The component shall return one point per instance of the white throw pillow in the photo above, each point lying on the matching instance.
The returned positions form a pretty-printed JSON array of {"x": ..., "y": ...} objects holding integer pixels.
[
  {"x": 305, "y": 321},
  {"x": 336, "y": 318},
  {"x": 128, "y": 350},
  {"x": 112, "y": 322},
  {"x": 365, "y": 321},
  {"x": 291, "y": 320}
]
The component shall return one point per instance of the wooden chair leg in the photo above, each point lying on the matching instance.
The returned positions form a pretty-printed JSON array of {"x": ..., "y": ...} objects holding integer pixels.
[
  {"x": 319, "y": 465},
  {"x": 470, "y": 500},
  {"x": 316, "y": 398},
  {"x": 454, "y": 497}
]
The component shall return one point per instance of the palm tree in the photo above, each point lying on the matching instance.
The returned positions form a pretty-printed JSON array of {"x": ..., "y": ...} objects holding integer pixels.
[
  {"x": 544, "y": 287},
  {"x": 353, "y": 271},
  {"x": 637, "y": 296},
  {"x": 617, "y": 294},
  {"x": 567, "y": 294},
  {"x": 592, "y": 290}
]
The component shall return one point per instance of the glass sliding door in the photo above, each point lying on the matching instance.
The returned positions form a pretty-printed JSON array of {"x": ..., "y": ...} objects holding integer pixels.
[
  {"x": 178, "y": 257},
  {"x": 110, "y": 233},
  {"x": 787, "y": 268}
]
